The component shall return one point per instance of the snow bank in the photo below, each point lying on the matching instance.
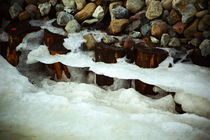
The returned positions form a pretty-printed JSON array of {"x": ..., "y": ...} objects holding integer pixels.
[{"x": 63, "y": 110}]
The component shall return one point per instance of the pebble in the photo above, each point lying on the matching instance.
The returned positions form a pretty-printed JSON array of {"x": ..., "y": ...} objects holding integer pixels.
[
  {"x": 204, "y": 23},
  {"x": 98, "y": 13},
  {"x": 206, "y": 34},
  {"x": 80, "y": 4},
  {"x": 44, "y": 8},
  {"x": 86, "y": 12},
  {"x": 159, "y": 28},
  {"x": 63, "y": 18},
  {"x": 135, "y": 34},
  {"x": 69, "y": 3},
  {"x": 188, "y": 13},
  {"x": 133, "y": 26},
  {"x": 14, "y": 10},
  {"x": 154, "y": 10},
  {"x": 89, "y": 21},
  {"x": 174, "y": 42},
  {"x": 120, "y": 12},
  {"x": 90, "y": 41},
  {"x": 134, "y": 5},
  {"x": 72, "y": 26},
  {"x": 59, "y": 7},
  {"x": 24, "y": 15},
  {"x": 31, "y": 9},
  {"x": 145, "y": 30},
  {"x": 195, "y": 42},
  {"x": 108, "y": 39},
  {"x": 165, "y": 40},
  {"x": 192, "y": 29},
  {"x": 173, "y": 17},
  {"x": 117, "y": 25},
  {"x": 179, "y": 27},
  {"x": 112, "y": 6},
  {"x": 154, "y": 40},
  {"x": 205, "y": 47},
  {"x": 200, "y": 14},
  {"x": 167, "y": 4}
]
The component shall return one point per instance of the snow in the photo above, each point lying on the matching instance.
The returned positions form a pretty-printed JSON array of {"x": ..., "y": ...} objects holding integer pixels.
[{"x": 69, "y": 110}]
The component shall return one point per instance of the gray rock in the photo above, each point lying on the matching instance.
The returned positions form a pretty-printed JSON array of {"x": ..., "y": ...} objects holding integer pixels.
[
  {"x": 134, "y": 5},
  {"x": 165, "y": 40},
  {"x": 14, "y": 10},
  {"x": 205, "y": 47},
  {"x": 59, "y": 7},
  {"x": 98, "y": 13},
  {"x": 180, "y": 4},
  {"x": 167, "y": 4},
  {"x": 154, "y": 40},
  {"x": 165, "y": 15},
  {"x": 133, "y": 26},
  {"x": 112, "y": 6},
  {"x": 174, "y": 42},
  {"x": 154, "y": 10},
  {"x": 145, "y": 30},
  {"x": 44, "y": 8},
  {"x": 195, "y": 42},
  {"x": 69, "y": 3},
  {"x": 188, "y": 12},
  {"x": 72, "y": 26},
  {"x": 202, "y": 13},
  {"x": 120, "y": 12},
  {"x": 135, "y": 34},
  {"x": 63, "y": 18},
  {"x": 204, "y": 23},
  {"x": 206, "y": 34}
]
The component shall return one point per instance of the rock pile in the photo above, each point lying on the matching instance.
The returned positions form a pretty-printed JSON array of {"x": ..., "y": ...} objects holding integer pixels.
[{"x": 180, "y": 24}]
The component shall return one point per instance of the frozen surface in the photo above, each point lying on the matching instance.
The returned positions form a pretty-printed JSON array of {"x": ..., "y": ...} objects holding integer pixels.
[
  {"x": 187, "y": 78},
  {"x": 63, "y": 110}
]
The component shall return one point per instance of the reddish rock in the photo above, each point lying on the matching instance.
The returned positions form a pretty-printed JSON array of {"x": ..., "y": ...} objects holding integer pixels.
[
  {"x": 137, "y": 16},
  {"x": 117, "y": 25},
  {"x": 158, "y": 29},
  {"x": 179, "y": 27},
  {"x": 129, "y": 44},
  {"x": 24, "y": 15}
]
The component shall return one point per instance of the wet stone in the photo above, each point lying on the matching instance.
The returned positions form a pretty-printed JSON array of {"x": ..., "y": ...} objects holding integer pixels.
[
  {"x": 14, "y": 10},
  {"x": 205, "y": 47},
  {"x": 134, "y": 5},
  {"x": 165, "y": 40},
  {"x": 120, "y": 12},
  {"x": 44, "y": 8},
  {"x": 145, "y": 30},
  {"x": 63, "y": 18}
]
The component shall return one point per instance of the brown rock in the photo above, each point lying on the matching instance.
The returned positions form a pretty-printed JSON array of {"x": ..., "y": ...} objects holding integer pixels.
[
  {"x": 189, "y": 32},
  {"x": 204, "y": 23},
  {"x": 128, "y": 44},
  {"x": 91, "y": 42},
  {"x": 24, "y": 15},
  {"x": 117, "y": 25},
  {"x": 179, "y": 27},
  {"x": 159, "y": 28},
  {"x": 86, "y": 12},
  {"x": 173, "y": 17}
]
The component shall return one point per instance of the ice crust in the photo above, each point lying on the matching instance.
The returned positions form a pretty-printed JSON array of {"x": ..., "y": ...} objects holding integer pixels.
[{"x": 69, "y": 110}]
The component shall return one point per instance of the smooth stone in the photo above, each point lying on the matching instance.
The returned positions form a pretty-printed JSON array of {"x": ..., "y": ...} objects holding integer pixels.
[
  {"x": 90, "y": 41},
  {"x": 174, "y": 42},
  {"x": 135, "y": 34},
  {"x": 63, "y": 18},
  {"x": 145, "y": 30},
  {"x": 117, "y": 25},
  {"x": 167, "y": 4},
  {"x": 173, "y": 17},
  {"x": 89, "y": 21},
  {"x": 69, "y": 3},
  {"x": 165, "y": 40},
  {"x": 24, "y": 15},
  {"x": 154, "y": 40},
  {"x": 204, "y": 23},
  {"x": 44, "y": 8},
  {"x": 206, "y": 34},
  {"x": 154, "y": 10},
  {"x": 133, "y": 26},
  {"x": 72, "y": 26},
  {"x": 179, "y": 27},
  {"x": 188, "y": 13},
  {"x": 205, "y": 47},
  {"x": 31, "y": 9},
  {"x": 80, "y": 4},
  {"x": 134, "y": 5},
  {"x": 192, "y": 29},
  {"x": 98, "y": 13},
  {"x": 120, "y": 12},
  {"x": 195, "y": 42},
  {"x": 14, "y": 10},
  {"x": 159, "y": 28}
]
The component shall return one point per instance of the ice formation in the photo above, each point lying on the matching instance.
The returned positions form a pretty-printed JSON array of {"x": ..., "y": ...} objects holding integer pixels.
[{"x": 69, "y": 110}]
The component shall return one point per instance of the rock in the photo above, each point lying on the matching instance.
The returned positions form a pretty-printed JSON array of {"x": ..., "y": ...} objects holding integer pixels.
[
  {"x": 44, "y": 8},
  {"x": 4, "y": 37},
  {"x": 108, "y": 39},
  {"x": 112, "y": 6},
  {"x": 181, "y": 4},
  {"x": 165, "y": 15},
  {"x": 159, "y": 28},
  {"x": 174, "y": 42},
  {"x": 134, "y": 5},
  {"x": 72, "y": 26},
  {"x": 120, "y": 12},
  {"x": 138, "y": 16},
  {"x": 145, "y": 30},
  {"x": 80, "y": 4},
  {"x": 117, "y": 25},
  {"x": 154, "y": 40},
  {"x": 206, "y": 34},
  {"x": 205, "y": 47},
  {"x": 179, "y": 27},
  {"x": 173, "y": 17},
  {"x": 195, "y": 42},
  {"x": 135, "y": 34},
  {"x": 165, "y": 40},
  {"x": 167, "y": 4},
  {"x": 63, "y": 18},
  {"x": 133, "y": 26},
  {"x": 98, "y": 13},
  {"x": 90, "y": 41},
  {"x": 154, "y": 10},
  {"x": 14, "y": 10},
  {"x": 89, "y": 21},
  {"x": 24, "y": 15},
  {"x": 86, "y": 12},
  {"x": 204, "y": 23},
  {"x": 59, "y": 7},
  {"x": 69, "y": 4},
  {"x": 188, "y": 13},
  {"x": 200, "y": 14},
  {"x": 192, "y": 29},
  {"x": 31, "y": 9}
]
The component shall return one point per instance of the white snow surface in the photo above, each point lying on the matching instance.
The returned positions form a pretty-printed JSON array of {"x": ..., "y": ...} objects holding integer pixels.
[
  {"x": 187, "y": 78},
  {"x": 76, "y": 111}
]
